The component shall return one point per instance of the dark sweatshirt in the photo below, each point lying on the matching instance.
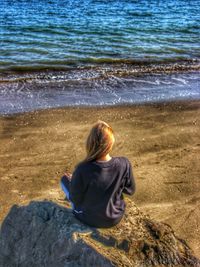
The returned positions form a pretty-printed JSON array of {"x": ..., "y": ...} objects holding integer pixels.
[{"x": 97, "y": 190}]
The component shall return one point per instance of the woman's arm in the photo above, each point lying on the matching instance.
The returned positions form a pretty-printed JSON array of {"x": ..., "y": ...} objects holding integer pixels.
[
  {"x": 129, "y": 187},
  {"x": 77, "y": 188}
]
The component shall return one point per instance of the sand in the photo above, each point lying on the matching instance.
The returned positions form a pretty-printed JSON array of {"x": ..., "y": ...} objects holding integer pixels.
[{"x": 162, "y": 141}]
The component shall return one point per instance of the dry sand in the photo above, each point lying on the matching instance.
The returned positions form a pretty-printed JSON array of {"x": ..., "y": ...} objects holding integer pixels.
[{"x": 162, "y": 141}]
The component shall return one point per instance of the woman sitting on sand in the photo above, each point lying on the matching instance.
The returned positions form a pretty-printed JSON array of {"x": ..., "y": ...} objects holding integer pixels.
[{"x": 96, "y": 187}]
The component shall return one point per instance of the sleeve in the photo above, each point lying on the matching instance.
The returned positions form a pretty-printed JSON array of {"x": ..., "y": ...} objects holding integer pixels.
[
  {"x": 129, "y": 187},
  {"x": 77, "y": 188}
]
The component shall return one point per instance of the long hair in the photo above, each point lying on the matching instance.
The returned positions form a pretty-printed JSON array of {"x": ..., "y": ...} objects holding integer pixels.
[{"x": 100, "y": 141}]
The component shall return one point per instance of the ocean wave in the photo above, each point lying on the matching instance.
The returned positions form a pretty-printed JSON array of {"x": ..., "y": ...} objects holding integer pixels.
[
  {"x": 102, "y": 68},
  {"x": 97, "y": 86}
]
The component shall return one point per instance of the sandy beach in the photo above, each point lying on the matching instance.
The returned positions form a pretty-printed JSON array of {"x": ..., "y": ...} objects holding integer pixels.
[{"x": 161, "y": 140}]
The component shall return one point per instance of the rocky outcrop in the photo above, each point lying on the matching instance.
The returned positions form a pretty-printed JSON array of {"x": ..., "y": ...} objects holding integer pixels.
[{"x": 48, "y": 235}]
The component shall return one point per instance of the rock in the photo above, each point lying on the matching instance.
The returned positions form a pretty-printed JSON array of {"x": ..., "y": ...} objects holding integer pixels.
[{"x": 48, "y": 235}]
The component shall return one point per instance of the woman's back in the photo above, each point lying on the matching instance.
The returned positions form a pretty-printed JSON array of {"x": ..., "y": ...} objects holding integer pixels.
[{"x": 96, "y": 190}]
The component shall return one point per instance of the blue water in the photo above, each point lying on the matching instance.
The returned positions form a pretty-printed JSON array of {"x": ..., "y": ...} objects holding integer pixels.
[
  {"x": 94, "y": 52},
  {"x": 58, "y": 33}
]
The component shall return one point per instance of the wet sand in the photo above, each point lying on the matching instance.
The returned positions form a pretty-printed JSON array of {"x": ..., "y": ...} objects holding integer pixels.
[{"x": 161, "y": 140}]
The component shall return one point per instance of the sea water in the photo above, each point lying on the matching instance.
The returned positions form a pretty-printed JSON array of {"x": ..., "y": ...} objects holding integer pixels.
[{"x": 62, "y": 52}]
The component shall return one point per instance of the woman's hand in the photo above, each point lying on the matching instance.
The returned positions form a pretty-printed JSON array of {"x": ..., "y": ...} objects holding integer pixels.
[{"x": 68, "y": 175}]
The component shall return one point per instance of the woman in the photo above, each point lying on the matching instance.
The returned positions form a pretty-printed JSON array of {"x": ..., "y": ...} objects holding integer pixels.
[{"x": 97, "y": 185}]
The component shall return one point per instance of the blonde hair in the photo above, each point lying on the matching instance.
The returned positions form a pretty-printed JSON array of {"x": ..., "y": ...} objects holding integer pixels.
[{"x": 100, "y": 141}]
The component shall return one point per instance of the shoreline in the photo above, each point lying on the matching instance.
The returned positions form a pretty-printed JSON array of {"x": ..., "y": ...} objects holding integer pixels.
[
  {"x": 160, "y": 139},
  {"x": 170, "y": 103},
  {"x": 101, "y": 87}
]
